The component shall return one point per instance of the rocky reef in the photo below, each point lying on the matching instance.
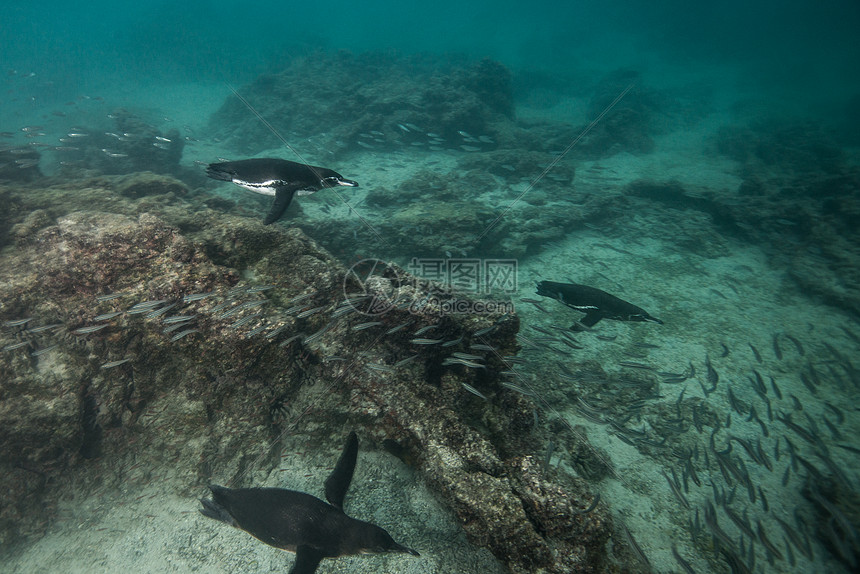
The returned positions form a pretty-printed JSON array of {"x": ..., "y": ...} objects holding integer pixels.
[
  {"x": 345, "y": 102},
  {"x": 99, "y": 394}
]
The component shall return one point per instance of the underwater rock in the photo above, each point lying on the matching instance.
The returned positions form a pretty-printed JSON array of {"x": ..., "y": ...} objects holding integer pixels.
[
  {"x": 432, "y": 213},
  {"x": 106, "y": 397},
  {"x": 140, "y": 184},
  {"x": 34, "y": 221},
  {"x": 807, "y": 222},
  {"x": 630, "y": 123},
  {"x": 375, "y": 101},
  {"x": 467, "y": 467},
  {"x": 787, "y": 146}
]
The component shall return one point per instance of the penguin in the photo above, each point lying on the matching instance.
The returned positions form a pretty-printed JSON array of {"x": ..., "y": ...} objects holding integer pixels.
[
  {"x": 301, "y": 523},
  {"x": 277, "y": 177},
  {"x": 596, "y": 304}
]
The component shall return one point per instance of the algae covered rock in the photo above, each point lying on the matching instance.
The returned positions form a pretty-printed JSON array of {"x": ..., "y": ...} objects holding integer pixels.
[
  {"x": 143, "y": 359},
  {"x": 345, "y": 102}
]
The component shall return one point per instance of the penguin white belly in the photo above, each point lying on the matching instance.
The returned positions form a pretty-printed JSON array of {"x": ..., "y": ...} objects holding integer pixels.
[{"x": 268, "y": 187}]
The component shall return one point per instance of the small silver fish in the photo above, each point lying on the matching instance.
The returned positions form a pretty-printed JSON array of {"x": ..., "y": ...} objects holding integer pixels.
[
  {"x": 184, "y": 333},
  {"x": 146, "y": 305},
  {"x": 405, "y": 361},
  {"x": 174, "y": 327},
  {"x": 109, "y": 297},
  {"x": 368, "y": 325},
  {"x": 275, "y": 332},
  {"x": 221, "y": 305},
  {"x": 423, "y": 330},
  {"x": 90, "y": 329},
  {"x": 43, "y": 328},
  {"x": 343, "y": 310},
  {"x": 517, "y": 388},
  {"x": 160, "y": 312},
  {"x": 378, "y": 367},
  {"x": 178, "y": 319},
  {"x": 318, "y": 335},
  {"x": 398, "y": 327},
  {"x": 290, "y": 340},
  {"x": 43, "y": 350},
  {"x": 113, "y": 364},
  {"x": 107, "y": 316},
  {"x": 14, "y": 346},
  {"x": 252, "y": 304},
  {"x": 255, "y": 331},
  {"x": 191, "y": 297},
  {"x": 481, "y": 347},
  {"x": 464, "y": 362},
  {"x": 245, "y": 320},
  {"x": 420, "y": 341},
  {"x": 467, "y": 356},
  {"x": 310, "y": 312},
  {"x": 474, "y": 391}
]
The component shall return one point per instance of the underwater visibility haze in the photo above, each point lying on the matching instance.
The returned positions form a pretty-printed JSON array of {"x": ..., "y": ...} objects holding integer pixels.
[{"x": 452, "y": 287}]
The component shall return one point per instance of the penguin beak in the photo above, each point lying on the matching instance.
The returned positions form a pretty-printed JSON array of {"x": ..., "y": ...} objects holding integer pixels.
[
  {"x": 395, "y": 547},
  {"x": 335, "y": 181}
]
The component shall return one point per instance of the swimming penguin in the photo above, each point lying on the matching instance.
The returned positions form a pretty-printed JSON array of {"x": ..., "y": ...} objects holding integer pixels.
[
  {"x": 277, "y": 177},
  {"x": 596, "y": 304},
  {"x": 302, "y": 523}
]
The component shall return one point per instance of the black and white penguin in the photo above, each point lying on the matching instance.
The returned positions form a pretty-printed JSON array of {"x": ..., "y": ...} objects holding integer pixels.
[
  {"x": 277, "y": 177},
  {"x": 596, "y": 304},
  {"x": 301, "y": 523}
]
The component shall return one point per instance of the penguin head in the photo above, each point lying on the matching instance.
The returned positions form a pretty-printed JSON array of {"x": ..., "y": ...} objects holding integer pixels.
[
  {"x": 329, "y": 178},
  {"x": 377, "y": 540}
]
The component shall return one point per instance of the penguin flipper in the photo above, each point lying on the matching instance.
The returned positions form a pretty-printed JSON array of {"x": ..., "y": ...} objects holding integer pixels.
[
  {"x": 338, "y": 481},
  {"x": 283, "y": 197},
  {"x": 590, "y": 320},
  {"x": 307, "y": 560}
]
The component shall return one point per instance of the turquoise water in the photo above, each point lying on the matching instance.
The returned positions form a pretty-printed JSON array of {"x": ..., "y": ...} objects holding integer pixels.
[
  {"x": 811, "y": 51},
  {"x": 699, "y": 162}
]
